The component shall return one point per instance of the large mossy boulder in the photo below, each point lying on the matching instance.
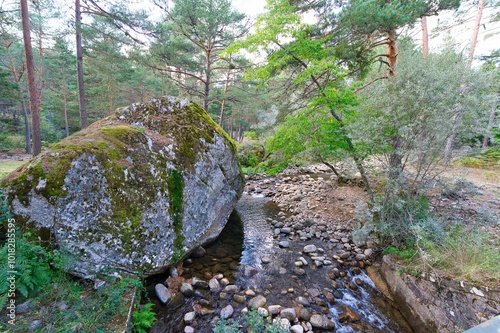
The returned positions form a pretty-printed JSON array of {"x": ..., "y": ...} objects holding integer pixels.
[{"x": 135, "y": 192}]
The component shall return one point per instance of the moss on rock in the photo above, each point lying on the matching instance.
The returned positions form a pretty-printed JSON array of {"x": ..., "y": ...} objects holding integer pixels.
[{"x": 105, "y": 189}]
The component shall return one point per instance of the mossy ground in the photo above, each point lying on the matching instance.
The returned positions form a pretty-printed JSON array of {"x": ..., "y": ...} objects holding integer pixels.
[{"x": 7, "y": 166}]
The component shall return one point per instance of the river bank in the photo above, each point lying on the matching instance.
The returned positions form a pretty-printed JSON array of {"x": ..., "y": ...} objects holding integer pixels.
[{"x": 313, "y": 210}]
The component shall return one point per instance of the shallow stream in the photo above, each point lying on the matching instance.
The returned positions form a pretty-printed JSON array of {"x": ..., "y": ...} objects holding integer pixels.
[{"x": 248, "y": 254}]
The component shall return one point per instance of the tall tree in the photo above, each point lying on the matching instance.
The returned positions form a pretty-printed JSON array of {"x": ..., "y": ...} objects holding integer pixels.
[
  {"x": 31, "y": 77},
  {"x": 82, "y": 102},
  {"x": 315, "y": 72},
  {"x": 17, "y": 70},
  {"x": 378, "y": 20},
  {"x": 192, "y": 37},
  {"x": 475, "y": 33},
  {"x": 61, "y": 83},
  {"x": 457, "y": 117}
]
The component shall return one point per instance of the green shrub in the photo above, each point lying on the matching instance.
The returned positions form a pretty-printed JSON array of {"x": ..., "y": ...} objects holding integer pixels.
[{"x": 144, "y": 318}]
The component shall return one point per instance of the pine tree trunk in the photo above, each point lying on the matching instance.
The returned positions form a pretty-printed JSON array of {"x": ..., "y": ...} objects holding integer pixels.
[
  {"x": 82, "y": 103},
  {"x": 208, "y": 77},
  {"x": 392, "y": 51},
  {"x": 475, "y": 33},
  {"x": 32, "y": 88},
  {"x": 27, "y": 130},
  {"x": 425, "y": 35},
  {"x": 223, "y": 105}
]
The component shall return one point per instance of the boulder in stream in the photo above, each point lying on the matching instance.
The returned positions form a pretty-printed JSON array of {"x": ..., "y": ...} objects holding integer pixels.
[{"x": 135, "y": 192}]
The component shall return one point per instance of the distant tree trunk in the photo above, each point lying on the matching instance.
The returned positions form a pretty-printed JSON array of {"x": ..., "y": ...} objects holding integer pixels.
[
  {"x": 475, "y": 33},
  {"x": 17, "y": 78},
  {"x": 32, "y": 88},
  {"x": 27, "y": 130},
  {"x": 425, "y": 52},
  {"x": 65, "y": 98},
  {"x": 425, "y": 35},
  {"x": 82, "y": 103},
  {"x": 208, "y": 78},
  {"x": 491, "y": 122},
  {"x": 223, "y": 105},
  {"x": 458, "y": 116}
]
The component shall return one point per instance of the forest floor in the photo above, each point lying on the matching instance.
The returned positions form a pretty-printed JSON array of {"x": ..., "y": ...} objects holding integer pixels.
[{"x": 10, "y": 162}]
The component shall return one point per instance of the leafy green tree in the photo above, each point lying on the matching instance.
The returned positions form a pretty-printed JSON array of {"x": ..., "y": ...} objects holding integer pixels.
[
  {"x": 309, "y": 135},
  {"x": 411, "y": 108},
  {"x": 294, "y": 48}
]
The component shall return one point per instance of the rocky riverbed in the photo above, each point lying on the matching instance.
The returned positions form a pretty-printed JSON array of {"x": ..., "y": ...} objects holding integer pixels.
[{"x": 295, "y": 263}]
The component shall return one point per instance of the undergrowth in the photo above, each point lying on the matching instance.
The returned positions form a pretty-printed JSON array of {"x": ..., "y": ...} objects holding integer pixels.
[
  {"x": 487, "y": 158},
  {"x": 251, "y": 322},
  {"x": 425, "y": 240},
  {"x": 61, "y": 302}
]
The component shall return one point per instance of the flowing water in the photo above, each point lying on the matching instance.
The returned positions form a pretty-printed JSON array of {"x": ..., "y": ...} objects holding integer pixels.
[{"x": 248, "y": 255}]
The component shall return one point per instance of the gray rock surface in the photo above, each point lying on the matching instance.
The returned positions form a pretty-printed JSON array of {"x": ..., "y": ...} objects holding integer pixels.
[
  {"x": 321, "y": 322},
  {"x": 134, "y": 192}
]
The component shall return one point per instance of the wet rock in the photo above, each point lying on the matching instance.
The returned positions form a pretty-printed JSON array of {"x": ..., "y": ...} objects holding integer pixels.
[
  {"x": 227, "y": 312},
  {"x": 213, "y": 284},
  {"x": 344, "y": 255},
  {"x": 176, "y": 300},
  {"x": 305, "y": 314},
  {"x": 309, "y": 248},
  {"x": 198, "y": 252},
  {"x": 239, "y": 299},
  {"x": 284, "y": 244},
  {"x": 186, "y": 289},
  {"x": 313, "y": 292},
  {"x": 350, "y": 314},
  {"x": 274, "y": 309},
  {"x": 162, "y": 293},
  {"x": 266, "y": 259},
  {"x": 286, "y": 230},
  {"x": 263, "y": 312},
  {"x": 296, "y": 329},
  {"x": 250, "y": 292},
  {"x": 257, "y": 302},
  {"x": 356, "y": 270},
  {"x": 231, "y": 288},
  {"x": 199, "y": 283},
  {"x": 302, "y": 300},
  {"x": 189, "y": 317},
  {"x": 288, "y": 313},
  {"x": 321, "y": 322},
  {"x": 330, "y": 298},
  {"x": 299, "y": 271}
]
